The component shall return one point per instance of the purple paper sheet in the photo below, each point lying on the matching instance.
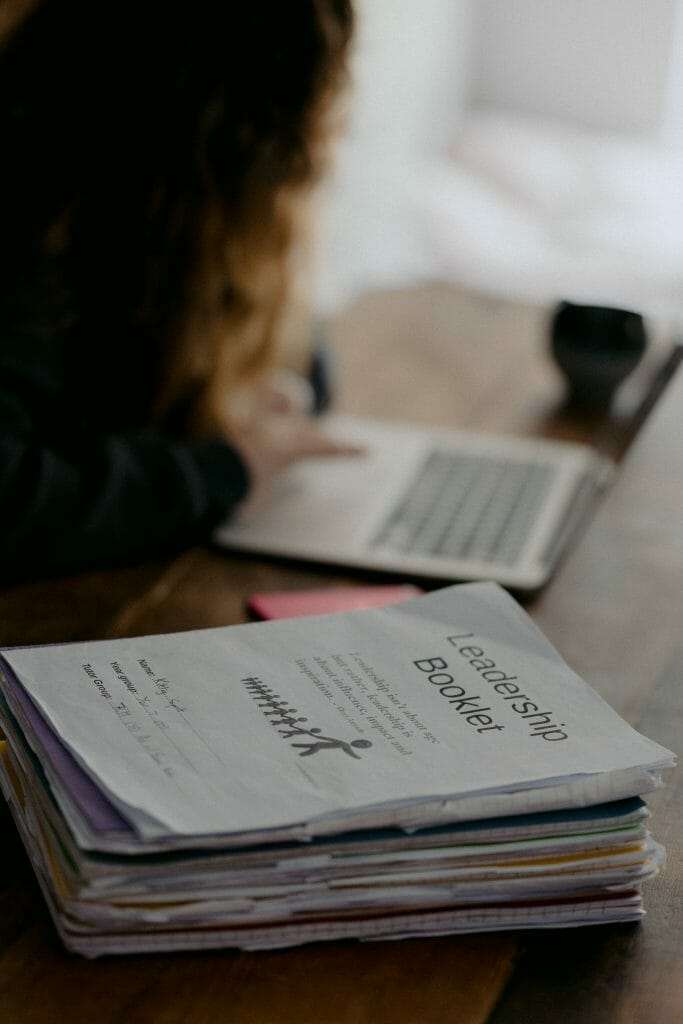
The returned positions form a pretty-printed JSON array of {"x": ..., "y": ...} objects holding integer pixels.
[{"x": 100, "y": 814}]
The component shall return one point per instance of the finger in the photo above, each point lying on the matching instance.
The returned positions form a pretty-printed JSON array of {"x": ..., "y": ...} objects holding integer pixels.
[
  {"x": 318, "y": 443},
  {"x": 288, "y": 392}
]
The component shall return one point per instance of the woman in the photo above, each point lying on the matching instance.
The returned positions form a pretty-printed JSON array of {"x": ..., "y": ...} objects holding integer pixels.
[{"x": 156, "y": 160}]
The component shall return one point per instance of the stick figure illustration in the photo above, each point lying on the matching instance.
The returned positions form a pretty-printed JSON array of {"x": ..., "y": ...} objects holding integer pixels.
[
  {"x": 329, "y": 743},
  {"x": 291, "y": 723}
]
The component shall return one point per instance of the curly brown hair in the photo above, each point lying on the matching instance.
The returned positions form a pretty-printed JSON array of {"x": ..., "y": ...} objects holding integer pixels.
[{"x": 154, "y": 153}]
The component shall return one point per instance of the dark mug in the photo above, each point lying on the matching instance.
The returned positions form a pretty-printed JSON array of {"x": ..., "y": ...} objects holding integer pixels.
[{"x": 596, "y": 347}]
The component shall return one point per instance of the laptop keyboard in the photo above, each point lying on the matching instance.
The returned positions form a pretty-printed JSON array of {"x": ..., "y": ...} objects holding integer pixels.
[{"x": 467, "y": 506}]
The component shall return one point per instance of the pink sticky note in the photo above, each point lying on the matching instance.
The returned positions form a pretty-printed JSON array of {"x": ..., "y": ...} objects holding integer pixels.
[{"x": 289, "y": 604}]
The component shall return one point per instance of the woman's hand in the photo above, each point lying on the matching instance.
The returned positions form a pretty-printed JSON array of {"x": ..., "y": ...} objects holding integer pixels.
[
  {"x": 274, "y": 440},
  {"x": 274, "y": 428}
]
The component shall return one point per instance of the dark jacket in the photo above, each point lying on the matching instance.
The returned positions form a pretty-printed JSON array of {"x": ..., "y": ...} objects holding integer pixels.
[{"x": 75, "y": 494}]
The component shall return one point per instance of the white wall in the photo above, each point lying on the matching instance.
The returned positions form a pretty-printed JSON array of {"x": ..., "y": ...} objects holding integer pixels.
[
  {"x": 410, "y": 78},
  {"x": 410, "y": 68},
  {"x": 673, "y": 114},
  {"x": 565, "y": 177},
  {"x": 603, "y": 64},
  {"x": 566, "y": 191}
]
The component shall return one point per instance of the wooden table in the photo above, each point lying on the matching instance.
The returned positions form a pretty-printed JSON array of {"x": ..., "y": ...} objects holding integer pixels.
[{"x": 614, "y": 610}]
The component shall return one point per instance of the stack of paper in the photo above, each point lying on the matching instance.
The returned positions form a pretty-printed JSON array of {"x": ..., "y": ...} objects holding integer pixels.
[{"x": 427, "y": 768}]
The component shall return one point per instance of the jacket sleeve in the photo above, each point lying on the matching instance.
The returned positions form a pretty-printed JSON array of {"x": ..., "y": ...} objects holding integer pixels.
[
  {"x": 125, "y": 499},
  {"x": 118, "y": 500}
]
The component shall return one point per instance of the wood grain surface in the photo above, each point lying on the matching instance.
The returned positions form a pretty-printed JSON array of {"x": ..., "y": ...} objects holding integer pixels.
[{"x": 614, "y": 610}]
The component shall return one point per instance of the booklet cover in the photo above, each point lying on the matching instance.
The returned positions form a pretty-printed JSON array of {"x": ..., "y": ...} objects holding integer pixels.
[{"x": 451, "y": 706}]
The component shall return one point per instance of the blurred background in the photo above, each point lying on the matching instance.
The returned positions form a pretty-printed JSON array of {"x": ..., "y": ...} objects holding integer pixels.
[{"x": 528, "y": 149}]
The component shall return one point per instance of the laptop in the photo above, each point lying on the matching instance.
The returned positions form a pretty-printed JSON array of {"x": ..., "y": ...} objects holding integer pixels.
[{"x": 429, "y": 503}]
